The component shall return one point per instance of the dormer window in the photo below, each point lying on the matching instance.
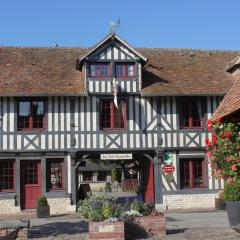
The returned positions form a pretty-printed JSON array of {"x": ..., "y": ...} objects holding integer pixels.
[
  {"x": 125, "y": 70},
  {"x": 99, "y": 70}
]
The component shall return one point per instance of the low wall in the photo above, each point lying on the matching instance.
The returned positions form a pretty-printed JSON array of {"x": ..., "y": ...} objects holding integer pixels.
[
  {"x": 61, "y": 205},
  {"x": 190, "y": 201},
  {"x": 7, "y": 206}
]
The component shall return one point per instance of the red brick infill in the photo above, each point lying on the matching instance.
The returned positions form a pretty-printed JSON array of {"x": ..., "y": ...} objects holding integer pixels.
[
  {"x": 106, "y": 230},
  {"x": 153, "y": 225}
]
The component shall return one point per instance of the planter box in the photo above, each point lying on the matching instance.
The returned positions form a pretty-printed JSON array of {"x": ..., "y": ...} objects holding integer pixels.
[
  {"x": 106, "y": 230},
  {"x": 149, "y": 226},
  {"x": 233, "y": 211},
  {"x": 220, "y": 204},
  {"x": 43, "y": 211}
]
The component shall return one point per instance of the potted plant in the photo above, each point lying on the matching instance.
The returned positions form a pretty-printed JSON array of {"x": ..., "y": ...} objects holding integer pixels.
[
  {"x": 224, "y": 158},
  {"x": 43, "y": 209},
  {"x": 103, "y": 214},
  {"x": 220, "y": 203},
  {"x": 143, "y": 221}
]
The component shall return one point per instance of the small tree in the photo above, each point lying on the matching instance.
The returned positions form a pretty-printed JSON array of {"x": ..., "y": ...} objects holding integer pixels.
[{"x": 224, "y": 151}]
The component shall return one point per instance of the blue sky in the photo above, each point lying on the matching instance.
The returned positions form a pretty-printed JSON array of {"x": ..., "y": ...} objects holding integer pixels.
[{"x": 207, "y": 24}]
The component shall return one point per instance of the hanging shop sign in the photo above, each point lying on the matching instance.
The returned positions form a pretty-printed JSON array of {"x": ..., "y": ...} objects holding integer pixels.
[
  {"x": 116, "y": 156},
  {"x": 168, "y": 157},
  {"x": 168, "y": 168}
]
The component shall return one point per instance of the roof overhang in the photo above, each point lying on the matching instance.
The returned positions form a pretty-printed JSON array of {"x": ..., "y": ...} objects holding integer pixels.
[{"x": 111, "y": 36}]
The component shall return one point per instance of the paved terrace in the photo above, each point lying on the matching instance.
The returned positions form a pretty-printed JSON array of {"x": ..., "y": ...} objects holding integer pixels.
[{"x": 180, "y": 226}]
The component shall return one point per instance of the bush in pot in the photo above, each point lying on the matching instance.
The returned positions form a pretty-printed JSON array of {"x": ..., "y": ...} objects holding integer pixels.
[
  {"x": 224, "y": 158},
  {"x": 43, "y": 209}
]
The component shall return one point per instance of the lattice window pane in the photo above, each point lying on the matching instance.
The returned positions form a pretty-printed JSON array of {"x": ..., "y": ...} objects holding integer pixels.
[
  {"x": 6, "y": 175},
  {"x": 56, "y": 174}
]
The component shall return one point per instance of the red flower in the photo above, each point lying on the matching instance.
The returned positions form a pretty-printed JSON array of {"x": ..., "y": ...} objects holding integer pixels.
[
  {"x": 230, "y": 180},
  {"x": 209, "y": 122},
  {"x": 214, "y": 138},
  {"x": 218, "y": 119},
  {"x": 222, "y": 135},
  {"x": 213, "y": 158},
  {"x": 207, "y": 141},
  {"x": 229, "y": 159},
  {"x": 228, "y": 134},
  {"x": 234, "y": 167},
  {"x": 219, "y": 171},
  {"x": 209, "y": 127}
]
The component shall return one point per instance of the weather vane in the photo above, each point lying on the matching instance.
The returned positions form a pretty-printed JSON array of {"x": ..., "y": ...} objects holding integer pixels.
[{"x": 114, "y": 25}]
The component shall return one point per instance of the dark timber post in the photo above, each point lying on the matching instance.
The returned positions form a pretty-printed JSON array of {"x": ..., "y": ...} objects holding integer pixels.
[
  {"x": 43, "y": 164},
  {"x": 18, "y": 180},
  {"x": 73, "y": 180},
  {"x": 158, "y": 178}
]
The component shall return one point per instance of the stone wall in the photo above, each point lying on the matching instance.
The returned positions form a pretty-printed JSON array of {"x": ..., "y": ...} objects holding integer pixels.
[
  {"x": 7, "y": 206},
  {"x": 190, "y": 201},
  {"x": 61, "y": 205}
]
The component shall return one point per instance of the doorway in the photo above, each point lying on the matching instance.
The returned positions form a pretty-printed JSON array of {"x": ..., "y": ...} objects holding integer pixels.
[{"x": 30, "y": 183}]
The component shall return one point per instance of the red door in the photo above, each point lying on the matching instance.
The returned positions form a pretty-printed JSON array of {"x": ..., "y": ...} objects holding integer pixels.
[
  {"x": 30, "y": 183},
  {"x": 149, "y": 181}
]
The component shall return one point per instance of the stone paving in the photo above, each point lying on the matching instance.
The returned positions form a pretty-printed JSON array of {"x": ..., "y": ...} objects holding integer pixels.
[{"x": 180, "y": 226}]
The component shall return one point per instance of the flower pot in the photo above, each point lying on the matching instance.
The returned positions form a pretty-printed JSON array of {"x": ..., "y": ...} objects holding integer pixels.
[
  {"x": 220, "y": 204},
  {"x": 233, "y": 211},
  {"x": 106, "y": 230},
  {"x": 43, "y": 211}
]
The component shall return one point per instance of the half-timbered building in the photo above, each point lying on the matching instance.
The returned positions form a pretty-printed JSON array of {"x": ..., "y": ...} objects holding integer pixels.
[{"x": 64, "y": 111}]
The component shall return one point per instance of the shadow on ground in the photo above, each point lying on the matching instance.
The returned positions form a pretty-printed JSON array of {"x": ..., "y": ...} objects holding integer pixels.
[
  {"x": 58, "y": 228},
  {"x": 176, "y": 231}
]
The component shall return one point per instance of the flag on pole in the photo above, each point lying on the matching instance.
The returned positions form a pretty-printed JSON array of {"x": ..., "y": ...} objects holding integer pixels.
[{"x": 115, "y": 92}]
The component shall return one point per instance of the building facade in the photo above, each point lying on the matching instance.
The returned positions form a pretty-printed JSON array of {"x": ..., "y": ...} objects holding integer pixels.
[{"x": 64, "y": 111}]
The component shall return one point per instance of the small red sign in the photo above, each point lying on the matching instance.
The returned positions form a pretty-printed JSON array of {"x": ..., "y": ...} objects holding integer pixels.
[{"x": 168, "y": 168}]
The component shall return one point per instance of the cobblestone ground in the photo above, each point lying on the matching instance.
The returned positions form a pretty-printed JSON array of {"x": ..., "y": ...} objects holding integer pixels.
[{"x": 180, "y": 226}]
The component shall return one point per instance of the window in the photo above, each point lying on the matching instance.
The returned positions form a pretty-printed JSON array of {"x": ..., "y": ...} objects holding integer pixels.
[
  {"x": 192, "y": 112},
  {"x": 31, "y": 115},
  {"x": 125, "y": 70},
  {"x": 92, "y": 176},
  {"x": 102, "y": 176},
  {"x": 87, "y": 176},
  {"x": 55, "y": 174},
  {"x": 192, "y": 173},
  {"x": 112, "y": 117},
  {"x": 99, "y": 70},
  {"x": 7, "y": 175}
]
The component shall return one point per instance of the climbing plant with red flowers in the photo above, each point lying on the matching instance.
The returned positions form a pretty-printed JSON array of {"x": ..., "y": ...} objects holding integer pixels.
[{"x": 224, "y": 150}]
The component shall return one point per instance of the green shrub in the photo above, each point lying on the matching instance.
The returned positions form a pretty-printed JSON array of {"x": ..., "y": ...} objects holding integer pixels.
[
  {"x": 108, "y": 187},
  {"x": 97, "y": 207},
  {"x": 108, "y": 209},
  {"x": 42, "y": 201},
  {"x": 141, "y": 207},
  {"x": 232, "y": 192}
]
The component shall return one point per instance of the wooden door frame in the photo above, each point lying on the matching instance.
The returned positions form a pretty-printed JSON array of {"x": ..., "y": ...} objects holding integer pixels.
[{"x": 22, "y": 190}]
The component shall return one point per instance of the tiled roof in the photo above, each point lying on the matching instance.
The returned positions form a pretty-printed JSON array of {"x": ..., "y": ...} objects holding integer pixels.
[
  {"x": 53, "y": 71},
  {"x": 187, "y": 72},
  {"x": 231, "y": 102},
  {"x": 40, "y": 71}
]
